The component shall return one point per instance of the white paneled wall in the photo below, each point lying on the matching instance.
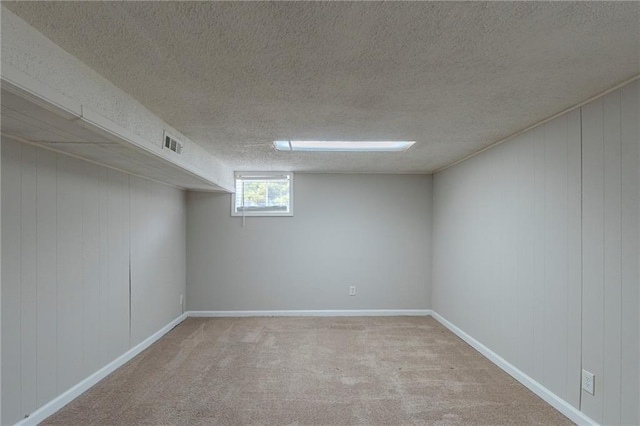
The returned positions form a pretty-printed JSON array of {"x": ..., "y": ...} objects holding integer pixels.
[
  {"x": 72, "y": 234},
  {"x": 507, "y": 252},
  {"x": 11, "y": 270},
  {"x": 611, "y": 145},
  {"x": 545, "y": 279}
]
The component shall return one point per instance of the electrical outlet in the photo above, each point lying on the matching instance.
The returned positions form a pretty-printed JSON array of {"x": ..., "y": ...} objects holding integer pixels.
[
  {"x": 588, "y": 382},
  {"x": 352, "y": 290},
  {"x": 181, "y": 300}
]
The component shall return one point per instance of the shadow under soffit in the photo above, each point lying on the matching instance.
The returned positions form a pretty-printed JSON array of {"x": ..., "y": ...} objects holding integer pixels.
[{"x": 67, "y": 127}]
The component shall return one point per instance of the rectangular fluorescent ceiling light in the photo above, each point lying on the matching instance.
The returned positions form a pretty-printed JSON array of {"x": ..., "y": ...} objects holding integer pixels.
[{"x": 343, "y": 146}]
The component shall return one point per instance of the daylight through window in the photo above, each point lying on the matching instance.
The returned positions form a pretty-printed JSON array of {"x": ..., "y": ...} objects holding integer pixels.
[{"x": 263, "y": 194}]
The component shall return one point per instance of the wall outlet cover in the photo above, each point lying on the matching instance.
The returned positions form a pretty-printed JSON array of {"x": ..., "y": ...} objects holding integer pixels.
[{"x": 588, "y": 382}]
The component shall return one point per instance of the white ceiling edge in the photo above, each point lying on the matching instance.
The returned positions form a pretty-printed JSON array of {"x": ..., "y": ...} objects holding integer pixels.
[
  {"x": 541, "y": 122},
  {"x": 30, "y": 89}
]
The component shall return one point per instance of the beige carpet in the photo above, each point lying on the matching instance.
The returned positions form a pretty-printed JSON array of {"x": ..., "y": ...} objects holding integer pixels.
[{"x": 309, "y": 371}]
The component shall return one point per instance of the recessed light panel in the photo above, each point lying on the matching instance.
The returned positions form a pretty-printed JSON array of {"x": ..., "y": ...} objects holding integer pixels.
[{"x": 343, "y": 146}]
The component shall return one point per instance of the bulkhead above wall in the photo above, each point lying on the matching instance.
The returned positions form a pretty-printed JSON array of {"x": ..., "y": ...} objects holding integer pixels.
[{"x": 51, "y": 99}]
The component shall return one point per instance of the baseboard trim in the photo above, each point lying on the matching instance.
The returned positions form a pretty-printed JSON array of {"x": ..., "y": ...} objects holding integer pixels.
[
  {"x": 311, "y": 313},
  {"x": 60, "y": 401},
  {"x": 551, "y": 398}
]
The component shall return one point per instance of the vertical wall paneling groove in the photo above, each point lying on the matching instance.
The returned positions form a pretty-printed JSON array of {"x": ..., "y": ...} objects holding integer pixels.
[
  {"x": 70, "y": 275},
  {"x": 610, "y": 244},
  {"x": 527, "y": 192},
  {"x": 66, "y": 291},
  {"x": 11, "y": 280},
  {"x": 612, "y": 235},
  {"x": 157, "y": 240},
  {"x": 28, "y": 321},
  {"x": 0, "y": 283},
  {"x": 574, "y": 258},
  {"x": 104, "y": 273},
  {"x": 577, "y": 213},
  {"x": 47, "y": 317},
  {"x": 526, "y": 237},
  {"x": 118, "y": 231},
  {"x": 538, "y": 258},
  {"x": 555, "y": 254},
  {"x": 132, "y": 225},
  {"x": 630, "y": 251},
  {"x": 91, "y": 265},
  {"x": 593, "y": 253},
  {"x": 507, "y": 329},
  {"x": 138, "y": 250}
]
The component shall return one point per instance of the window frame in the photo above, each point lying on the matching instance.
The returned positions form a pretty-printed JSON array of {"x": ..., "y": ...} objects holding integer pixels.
[{"x": 257, "y": 175}]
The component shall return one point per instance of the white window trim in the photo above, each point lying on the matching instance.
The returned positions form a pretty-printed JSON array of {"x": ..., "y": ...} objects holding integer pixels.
[{"x": 269, "y": 175}]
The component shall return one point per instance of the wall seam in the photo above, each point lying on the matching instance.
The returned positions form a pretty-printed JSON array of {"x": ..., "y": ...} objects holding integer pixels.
[
  {"x": 37, "y": 276},
  {"x": 544, "y": 121},
  {"x": 581, "y": 257},
  {"x": 84, "y": 308},
  {"x": 21, "y": 289},
  {"x": 57, "y": 281},
  {"x": 604, "y": 260},
  {"x": 431, "y": 239},
  {"x": 129, "y": 257},
  {"x": 621, "y": 253},
  {"x": 544, "y": 245},
  {"x": 568, "y": 248}
]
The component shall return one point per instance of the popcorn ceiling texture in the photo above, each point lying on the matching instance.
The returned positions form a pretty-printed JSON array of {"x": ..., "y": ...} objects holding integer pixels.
[{"x": 455, "y": 77}]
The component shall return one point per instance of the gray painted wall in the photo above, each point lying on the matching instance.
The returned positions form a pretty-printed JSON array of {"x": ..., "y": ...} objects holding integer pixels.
[
  {"x": 371, "y": 231},
  {"x": 507, "y": 252},
  {"x": 70, "y": 232},
  {"x": 158, "y": 256},
  {"x": 610, "y": 320},
  {"x": 547, "y": 282},
  {"x": 0, "y": 285}
]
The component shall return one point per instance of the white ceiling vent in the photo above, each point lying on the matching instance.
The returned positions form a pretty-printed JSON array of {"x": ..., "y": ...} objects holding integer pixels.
[{"x": 171, "y": 143}]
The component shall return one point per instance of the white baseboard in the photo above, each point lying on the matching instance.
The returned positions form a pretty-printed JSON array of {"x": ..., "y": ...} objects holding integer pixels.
[
  {"x": 552, "y": 399},
  {"x": 555, "y": 401},
  {"x": 56, "y": 404},
  {"x": 319, "y": 313}
]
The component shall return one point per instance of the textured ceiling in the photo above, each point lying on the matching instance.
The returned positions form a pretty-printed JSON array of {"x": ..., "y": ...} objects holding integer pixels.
[{"x": 455, "y": 77}]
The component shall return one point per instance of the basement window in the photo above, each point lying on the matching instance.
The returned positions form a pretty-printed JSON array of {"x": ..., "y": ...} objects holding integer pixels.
[{"x": 263, "y": 194}]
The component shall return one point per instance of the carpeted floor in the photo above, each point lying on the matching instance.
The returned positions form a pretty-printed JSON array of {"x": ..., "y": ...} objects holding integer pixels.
[{"x": 309, "y": 371}]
